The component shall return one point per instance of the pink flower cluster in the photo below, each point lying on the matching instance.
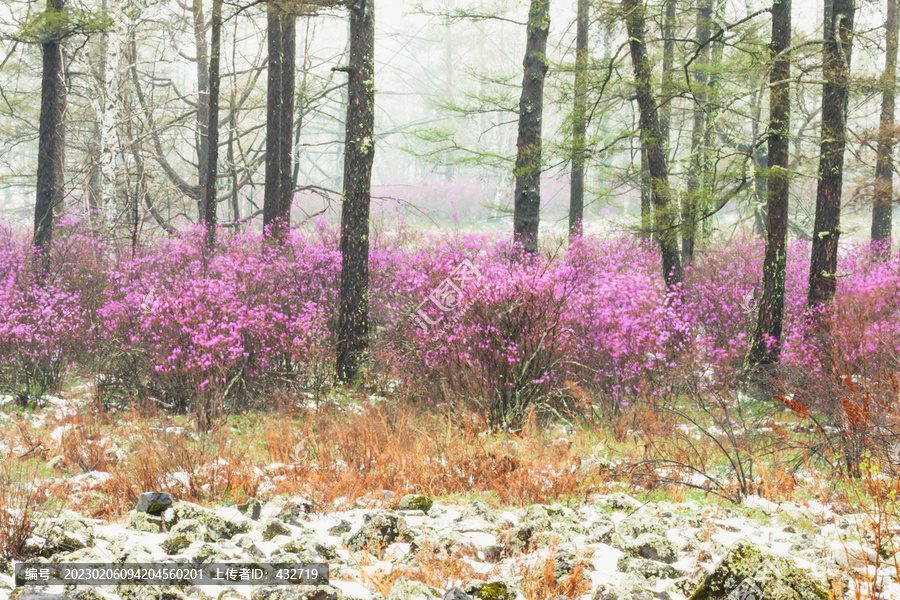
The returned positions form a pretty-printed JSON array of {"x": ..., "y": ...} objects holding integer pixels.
[{"x": 168, "y": 320}]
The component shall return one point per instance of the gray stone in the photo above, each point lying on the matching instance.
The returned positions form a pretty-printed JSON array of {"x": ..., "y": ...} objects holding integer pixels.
[
  {"x": 281, "y": 592},
  {"x": 154, "y": 503},
  {"x": 653, "y": 547},
  {"x": 60, "y": 534},
  {"x": 747, "y": 571},
  {"x": 274, "y": 528},
  {"x": 342, "y": 527},
  {"x": 404, "y": 589},
  {"x": 650, "y": 569},
  {"x": 183, "y": 534},
  {"x": 379, "y": 530},
  {"x": 252, "y": 508},
  {"x": 456, "y": 593},
  {"x": 416, "y": 502},
  {"x": 219, "y": 527}
]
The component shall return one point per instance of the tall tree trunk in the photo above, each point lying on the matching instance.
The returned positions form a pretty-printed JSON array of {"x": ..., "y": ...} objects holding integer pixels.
[
  {"x": 765, "y": 345},
  {"x": 272, "y": 193},
  {"x": 646, "y": 197},
  {"x": 660, "y": 192},
  {"x": 202, "y": 102},
  {"x": 286, "y": 145},
  {"x": 835, "y": 95},
  {"x": 212, "y": 128},
  {"x": 579, "y": 121},
  {"x": 666, "y": 84},
  {"x": 51, "y": 140},
  {"x": 526, "y": 216},
  {"x": 884, "y": 167},
  {"x": 359, "y": 154},
  {"x": 699, "y": 137}
]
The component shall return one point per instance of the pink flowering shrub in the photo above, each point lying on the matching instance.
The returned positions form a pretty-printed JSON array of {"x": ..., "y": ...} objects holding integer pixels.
[
  {"x": 179, "y": 325},
  {"x": 44, "y": 324},
  {"x": 456, "y": 314}
]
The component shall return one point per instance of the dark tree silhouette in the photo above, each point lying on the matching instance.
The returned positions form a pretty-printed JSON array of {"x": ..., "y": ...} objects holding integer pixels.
[
  {"x": 527, "y": 210},
  {"x": 652, "y": 142},
  {"x": 579, "y": 121},
  {"x": 359, "y": 153},
  {"x": 51, "y": 132},
  {"x": 884, "y": 165},
  {"x": 765, "y": 345},
  {"x": 838, "y": 37}
]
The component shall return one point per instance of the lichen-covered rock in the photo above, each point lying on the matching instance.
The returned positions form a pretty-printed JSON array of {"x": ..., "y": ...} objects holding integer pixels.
[
  {"x": 141, "y": 521},
  {"x": 342, "y": 527},
  {"x": 183, "y": 534},
  {"x": 225, "y": 527},
  {"x": 653, "y": 547},
  {"x": 182, "y": 510},
  {"x": 607, "y": 592},
  {"x": 150, "y": 592},
  {"x": 60, "y": 534},
  {"x": 273, "y": 528},
  {"x": 650, "y": 569},
  {"x": 747, "y": 571},
  {"x": 618, "y": 501},
  {"x": 252, "y": 509},
  {"x": 207, "y": 553},
  {"x": 404, "y": 589},
  {"x": 416, "y": 502},
  {"x": 282, "y": 592},
  {"x": 489, "y": 590},
  {"x": 295, "y": 510},
  {"x": 379, "y": 530},
  {"x": 638, "y": 524}
]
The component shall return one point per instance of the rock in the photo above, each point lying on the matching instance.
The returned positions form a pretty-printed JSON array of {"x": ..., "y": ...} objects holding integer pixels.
[
  {"x": 188, "y": 510},
  {"x": 154, "y": 503},
  {"x": 208, "y": 553},
  {"x": 226, "y": 526},
  {"x": 141, "y": 521},
  {"x": 747, "y": 572},
  {"x": 606, "y": 592},
  {"x": 404, "y": 589},
  {"x": 456, "y": 593},
  {"x": 476, "y": 509},
  {"x": 60, "y": 534},
  {"x": 416, "y": 502},
  {"x": 638, "y": 524},
  {"x": 295, "y": 510},
  {"x": 379, "y": 530},
  {"x": 342, "y": 527},
  {"x": 183, "y": 534},
  {"x": 650, "y": 569},
  {"x": 282, "y": 592},
  {"x": 489, "y": 590},
  {"x": 619, "y": 501},
  {"x": 653, "y": 547},
  {"x": 274, "y": 528},
  {"x": 252, "y": 509}
]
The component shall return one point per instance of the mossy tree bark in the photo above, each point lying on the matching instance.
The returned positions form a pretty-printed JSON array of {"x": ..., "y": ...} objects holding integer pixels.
[
  {"x": 660, "y": 193},
  {"x": 579, "y": 121},
  {"x": 51, "y": 136},
  {"x": 527, "y": 209},
  {"x": 359, "y": 154},
  {"x": 766, "y": 339},
  {"x": 884, "y": 167}
]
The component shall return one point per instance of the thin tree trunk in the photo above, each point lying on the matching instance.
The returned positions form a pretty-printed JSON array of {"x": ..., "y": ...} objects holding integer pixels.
[
  {"x": 212, "y": 128},
  {"x": 359, "y": 154},
  {"x": 666, "y": 84},
  {"x": 884, "y": 167},
  {"x": 699, "y": 137},
  {"x": 51, "y": 140},
  {"x": 286, "y": 145},
  {"x": 202, "y": 103},
  {"x": 765, "y": 346},
  {"x": 646, "y": 197},
  {"x": 579, "y": 122},
  {"x": 272, "y": 194},
  {"x": 835, "y": 95},
  {"x": 526, "y": 216},
  {"x": 661, "y": 193}
]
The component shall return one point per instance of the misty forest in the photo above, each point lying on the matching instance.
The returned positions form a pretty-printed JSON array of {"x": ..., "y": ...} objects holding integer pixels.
[{"x": 460, "y": 299}]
